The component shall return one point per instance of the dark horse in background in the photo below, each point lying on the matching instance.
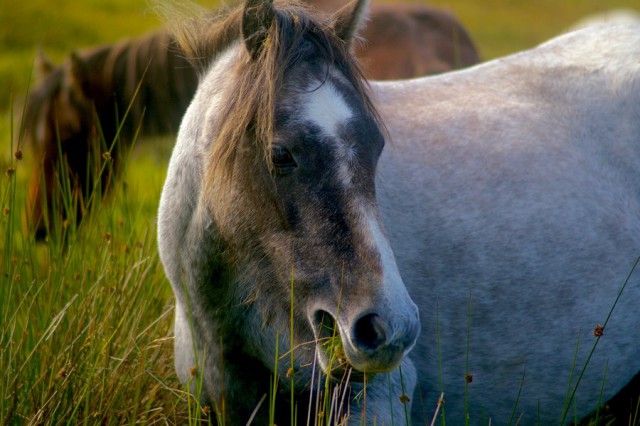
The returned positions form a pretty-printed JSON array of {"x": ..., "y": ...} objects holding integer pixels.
[
  {"x": 99, "y": 99},
  {"x": 96, "y": 102}
]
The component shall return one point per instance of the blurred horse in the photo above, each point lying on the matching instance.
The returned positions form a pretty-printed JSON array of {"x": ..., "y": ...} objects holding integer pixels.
[
  {"x": 409, "y": 40},
  {"x": 94, "y": 103},
  {"x": 82, "y": 103}
]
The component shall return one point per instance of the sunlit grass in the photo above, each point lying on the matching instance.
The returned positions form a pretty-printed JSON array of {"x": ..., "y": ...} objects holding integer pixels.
[{"x": 85, "y": 317}]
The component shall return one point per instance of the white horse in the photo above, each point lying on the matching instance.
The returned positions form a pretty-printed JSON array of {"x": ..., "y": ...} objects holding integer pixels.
[{"x": 510, "y": 197}]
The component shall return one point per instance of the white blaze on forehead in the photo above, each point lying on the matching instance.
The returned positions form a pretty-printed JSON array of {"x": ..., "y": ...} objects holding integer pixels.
[{"x": 326, "y": 107}]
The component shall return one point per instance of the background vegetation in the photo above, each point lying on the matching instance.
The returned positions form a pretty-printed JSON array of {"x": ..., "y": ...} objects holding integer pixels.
[
  {"x": 85, "y": 319},
  {"x": 499, "y": 26}
]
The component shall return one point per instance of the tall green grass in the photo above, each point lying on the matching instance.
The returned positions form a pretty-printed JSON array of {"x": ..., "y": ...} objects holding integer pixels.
[{"x": 85, "y": 317}]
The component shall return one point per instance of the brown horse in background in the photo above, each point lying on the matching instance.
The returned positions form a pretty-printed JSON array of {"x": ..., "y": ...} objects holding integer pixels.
[
  {"x": 409, "y": 40},
  {"x": 96, "y": 102},
  {"x": 101, "y": 98}
]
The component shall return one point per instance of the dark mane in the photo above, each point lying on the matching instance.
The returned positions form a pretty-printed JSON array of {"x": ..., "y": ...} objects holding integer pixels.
[
  {"x": 251, "y": 111},
  {"x": 146, "y": 74},
  {"x": 150, "y": 74}
]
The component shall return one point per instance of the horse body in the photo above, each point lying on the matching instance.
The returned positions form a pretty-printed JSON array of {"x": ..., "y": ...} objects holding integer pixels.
[{"x": 510, "y": 195}]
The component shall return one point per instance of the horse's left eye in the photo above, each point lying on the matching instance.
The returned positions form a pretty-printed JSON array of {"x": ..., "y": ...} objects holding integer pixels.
[{"x": 282, "y": 159}]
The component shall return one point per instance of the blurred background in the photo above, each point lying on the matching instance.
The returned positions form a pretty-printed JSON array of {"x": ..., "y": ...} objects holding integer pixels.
[{"x": 498, "y": 27}]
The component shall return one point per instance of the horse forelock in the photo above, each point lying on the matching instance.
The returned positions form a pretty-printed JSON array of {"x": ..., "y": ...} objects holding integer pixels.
[{"x": 294, "y": 37}]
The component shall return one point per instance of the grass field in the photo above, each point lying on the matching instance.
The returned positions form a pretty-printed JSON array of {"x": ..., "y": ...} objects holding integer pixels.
[{"x": 85, "y": 319}]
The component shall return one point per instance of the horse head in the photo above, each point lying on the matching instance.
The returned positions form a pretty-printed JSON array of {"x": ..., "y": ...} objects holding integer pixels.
[
  {"x": 322, "y": 231},
  {"x": 288, "y": 141},
  {"x": 58, "y": 118}
]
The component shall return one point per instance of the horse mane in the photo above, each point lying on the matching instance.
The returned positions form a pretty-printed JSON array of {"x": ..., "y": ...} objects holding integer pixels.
[
  {"x": 151, "y": 75},
  {"x": 259, "y": 77}
]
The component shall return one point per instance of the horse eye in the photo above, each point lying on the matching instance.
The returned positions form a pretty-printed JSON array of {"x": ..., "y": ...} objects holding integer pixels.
[{"x": 282, "y": 159}]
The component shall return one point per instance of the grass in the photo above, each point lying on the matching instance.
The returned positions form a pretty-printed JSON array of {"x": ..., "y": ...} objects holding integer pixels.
[{"x": 85, "y": 319}]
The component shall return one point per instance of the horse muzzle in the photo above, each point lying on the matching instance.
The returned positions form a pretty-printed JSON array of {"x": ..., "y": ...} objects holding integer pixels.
[{"x": 369, "y": 342}]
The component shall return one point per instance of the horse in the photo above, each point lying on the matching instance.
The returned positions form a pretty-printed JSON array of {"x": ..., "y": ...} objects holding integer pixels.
[
  {"x": 311, "y": 221},
  {"x": 94, "y": 103},
  {"x": 81, "y": 104},
  {"x": 409, "y": 40}
]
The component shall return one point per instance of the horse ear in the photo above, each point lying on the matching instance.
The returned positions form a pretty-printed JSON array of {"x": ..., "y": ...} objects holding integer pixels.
[
  {"x": 350, "y": 19},
  {"x": 256, "y": 20},
  {"x": 78, "y": 73},
  {"x": 43, "y": 65}
]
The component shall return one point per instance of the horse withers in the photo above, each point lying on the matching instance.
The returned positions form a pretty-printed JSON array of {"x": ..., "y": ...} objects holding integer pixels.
[{"x": 268, "y": 226}]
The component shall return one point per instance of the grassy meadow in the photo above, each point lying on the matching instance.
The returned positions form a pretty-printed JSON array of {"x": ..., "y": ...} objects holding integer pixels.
[{"x": 85, "y": 318}]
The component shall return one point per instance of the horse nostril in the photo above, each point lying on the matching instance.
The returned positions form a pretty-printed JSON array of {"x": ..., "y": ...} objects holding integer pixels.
[
  {"x": 369, "y": 332},
  {"x": 326, "y": 325}
]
